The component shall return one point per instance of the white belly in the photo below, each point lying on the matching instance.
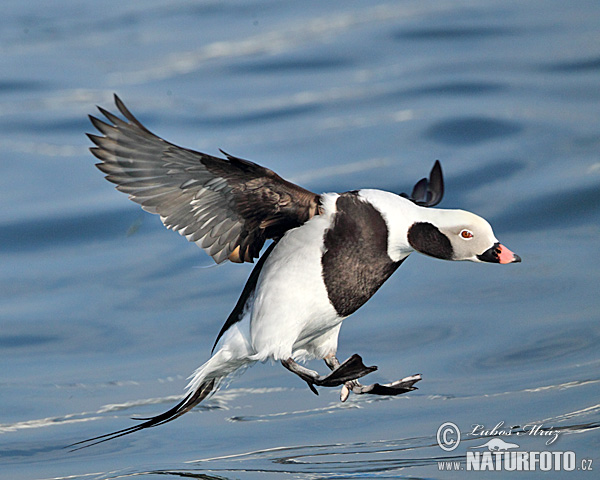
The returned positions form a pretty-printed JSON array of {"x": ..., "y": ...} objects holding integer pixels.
[{"x": 291, "y": 315}]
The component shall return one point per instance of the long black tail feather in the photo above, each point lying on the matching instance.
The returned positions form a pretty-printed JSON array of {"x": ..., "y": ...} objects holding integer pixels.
[{"x": 189, "y": 402}]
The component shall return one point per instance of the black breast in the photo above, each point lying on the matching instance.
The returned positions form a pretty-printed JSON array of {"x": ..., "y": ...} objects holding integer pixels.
[{"x": 355, "y": 262}]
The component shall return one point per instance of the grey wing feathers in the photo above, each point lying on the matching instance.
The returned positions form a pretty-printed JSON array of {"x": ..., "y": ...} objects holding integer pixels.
[
  {"x": 428, "y": 193},
  {"x": 229, "y": 207}
]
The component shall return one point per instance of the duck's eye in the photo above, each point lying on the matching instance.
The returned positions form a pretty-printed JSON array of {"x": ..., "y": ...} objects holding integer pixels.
[{"x": 466, "y": 233}]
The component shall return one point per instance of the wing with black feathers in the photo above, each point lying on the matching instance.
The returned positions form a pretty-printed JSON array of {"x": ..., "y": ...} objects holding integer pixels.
[
  {"x": 227, "y": 206},
  {"x": 428, "y": 193}
]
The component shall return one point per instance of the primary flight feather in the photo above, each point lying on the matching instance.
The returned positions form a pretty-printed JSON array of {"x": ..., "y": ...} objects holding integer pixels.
[{"x": 329, "y": 253}]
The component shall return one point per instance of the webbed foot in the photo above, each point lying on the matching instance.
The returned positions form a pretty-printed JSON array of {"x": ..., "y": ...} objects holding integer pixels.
[
  {"x": 398, "y": 387},
  {"x": 351, "y": 369}
]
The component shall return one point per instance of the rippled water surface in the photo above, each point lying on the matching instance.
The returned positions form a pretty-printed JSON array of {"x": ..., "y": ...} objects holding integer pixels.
[{"x": 103, "y": 313}]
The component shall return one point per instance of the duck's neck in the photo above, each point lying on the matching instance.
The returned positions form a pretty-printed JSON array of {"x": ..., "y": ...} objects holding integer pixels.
[{"x": 400, "y": 214}]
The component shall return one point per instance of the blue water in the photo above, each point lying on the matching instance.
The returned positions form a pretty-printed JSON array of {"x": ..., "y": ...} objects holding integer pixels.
[{"x": 104, "y": 313}]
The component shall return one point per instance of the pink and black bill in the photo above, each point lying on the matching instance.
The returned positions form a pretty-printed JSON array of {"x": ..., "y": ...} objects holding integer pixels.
[{"x": 498, "y": 253}]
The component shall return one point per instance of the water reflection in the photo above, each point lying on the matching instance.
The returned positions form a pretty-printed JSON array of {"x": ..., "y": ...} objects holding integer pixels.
[{"x": 104, "y": 313}]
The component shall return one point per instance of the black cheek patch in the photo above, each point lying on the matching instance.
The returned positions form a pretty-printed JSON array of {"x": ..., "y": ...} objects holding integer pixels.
[{"x": 426, "y": 238}]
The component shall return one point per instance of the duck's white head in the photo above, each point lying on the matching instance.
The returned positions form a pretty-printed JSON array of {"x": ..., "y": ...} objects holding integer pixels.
[{"x": 457, "y": 235}]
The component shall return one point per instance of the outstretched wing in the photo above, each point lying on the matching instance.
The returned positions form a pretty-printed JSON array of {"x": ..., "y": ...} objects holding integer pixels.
[
  {"x": 428, "y": 193},
  {"x": 229, "y": 207}
]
